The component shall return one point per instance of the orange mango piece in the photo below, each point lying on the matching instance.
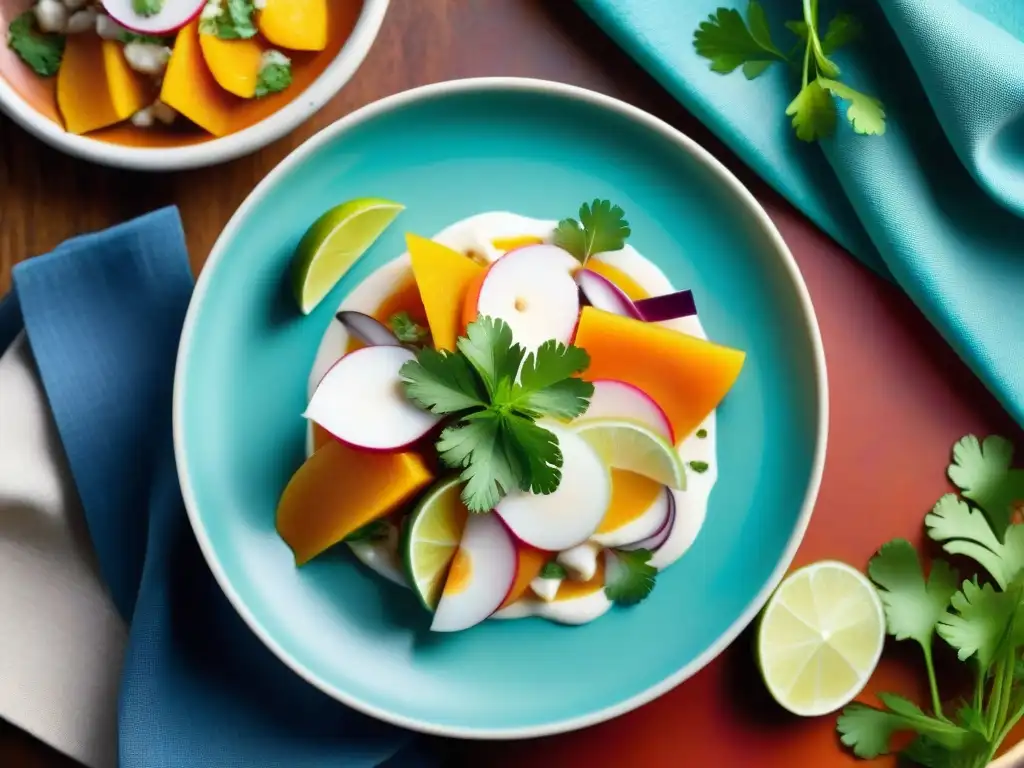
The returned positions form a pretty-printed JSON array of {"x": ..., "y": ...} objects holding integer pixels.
[
  {"x": 95, "y": 86},
  {"x": 443, "y": 277},
  {"x": 570, "y": 590},
  {"x": 624, "y": 282},
  {"x": 529, "y": 563},
  {"x": 234, "y": 64},
  {"x": 632, "y": 495},
  {"x": 191, "y": 89},
  {"x": 471, "y": 301},
  {"x": 511, "y": 243},
  {"x": 339, "y": 490},
  {"x": 300, "y": 25},
  {"x": 686, "y": 376}
]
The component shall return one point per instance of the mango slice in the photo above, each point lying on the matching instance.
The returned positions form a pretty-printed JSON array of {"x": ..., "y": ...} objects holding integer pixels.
[
  {"x": 95, "y": 86},
  {"x": 300, "y": 25},
  {"x": 686, "y": 376},
  {"x": 443, "y": 277},
  {"x": 234, "y": 64},
  {"x": 339, "y": 490},
  {"x": 530, "y": 561},
  {"x": 632, "y": 495},
  {"x": 471, "y": 301},
  {"x": 191, "y": 89}
]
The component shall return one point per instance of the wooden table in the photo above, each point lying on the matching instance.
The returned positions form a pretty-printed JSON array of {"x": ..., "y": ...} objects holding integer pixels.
[{"x": 899, "y": 396}]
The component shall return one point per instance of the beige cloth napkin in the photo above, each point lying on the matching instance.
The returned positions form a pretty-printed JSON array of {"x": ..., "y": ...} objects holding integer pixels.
[{"x": 61, "y": 639}]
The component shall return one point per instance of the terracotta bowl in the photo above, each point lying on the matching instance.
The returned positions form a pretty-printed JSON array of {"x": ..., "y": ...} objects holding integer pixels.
[{"x": 31, "y": 101}]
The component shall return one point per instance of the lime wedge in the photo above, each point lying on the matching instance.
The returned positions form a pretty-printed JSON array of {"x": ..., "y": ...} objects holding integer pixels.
[
  {"x": 431, "y": 539},
  {"x": 625, "y": 444},
  {"x": 820, "y": 638},
  {"x": 334, "y": 243}
]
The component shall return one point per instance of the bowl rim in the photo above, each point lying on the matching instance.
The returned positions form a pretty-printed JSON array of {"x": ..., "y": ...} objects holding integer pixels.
[
  {"x": 218, "y": 150},
  {"x": 684, "y": 144}
]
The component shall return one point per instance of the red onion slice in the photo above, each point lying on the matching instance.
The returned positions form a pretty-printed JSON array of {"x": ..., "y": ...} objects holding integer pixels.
[
  {"x": 368, "y": 330},
  {"x": 667, "y": 307},
  {"x": 605, "y": 295},
  {"x": 659, "y": 537}
]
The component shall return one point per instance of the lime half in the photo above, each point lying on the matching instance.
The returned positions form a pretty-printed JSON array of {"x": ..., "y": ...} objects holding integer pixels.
[
  {"x": 334, "y": 243},
  {"x": 431, "y": 539},
  {"x": 630, "y": 445},
  {"x": 820, "y": 638}
]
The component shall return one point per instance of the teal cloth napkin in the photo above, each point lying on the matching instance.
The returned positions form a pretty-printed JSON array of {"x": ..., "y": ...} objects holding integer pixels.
[
  {"x": 937, "y": 203},
  {"x": 103, "y": 314}
]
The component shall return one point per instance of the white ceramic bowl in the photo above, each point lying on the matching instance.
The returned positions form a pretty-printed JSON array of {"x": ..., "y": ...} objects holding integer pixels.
[{"x": 218, "y": 150}]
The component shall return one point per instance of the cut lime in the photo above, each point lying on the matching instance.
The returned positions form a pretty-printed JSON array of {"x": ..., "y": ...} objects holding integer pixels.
[
  {"x": 625, "y": 444},
  {"x": 431, "y": 539},
  {"x": 820, "y": 638},
  {"x": 333, "y": 244}
]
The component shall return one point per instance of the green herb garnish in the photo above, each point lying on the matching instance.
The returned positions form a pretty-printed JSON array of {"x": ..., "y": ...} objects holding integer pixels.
[
  {"x": 553, "y": 570},
  {"x": 700, "y": 467},
  {"x": 147, "y": 7},
  {"x": 497, "y": 392},
  {"x": 629, "y": 578},
  {"x": 134, "y": 37},
  {"x": 981, "y": 620},
  {"x": 702, "y": 433},
  {"x": 407, "y": 330},
  {"x": 728, "y": 42},
  {"x": 275, "y": 74},
  {"x": 602, "y": 227},
  {"x": 231, "y": 22},
  {"x": 372, "y": 531},
  {"x": 41, "y": 52}
]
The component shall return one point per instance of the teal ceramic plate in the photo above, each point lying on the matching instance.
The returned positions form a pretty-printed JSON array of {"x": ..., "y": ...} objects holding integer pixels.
[{"x": 448, "y": 151}]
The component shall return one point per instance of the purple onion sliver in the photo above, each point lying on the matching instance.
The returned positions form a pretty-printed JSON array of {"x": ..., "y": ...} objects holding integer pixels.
[
  {"x": 657, "y": 539},
  {"x": 667, "y": 307},
  {"x": 368, "y": 330},
  {"x": 605, "y": 295}
]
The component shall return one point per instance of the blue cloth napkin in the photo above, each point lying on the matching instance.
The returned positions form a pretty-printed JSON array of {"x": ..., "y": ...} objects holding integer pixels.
[
  {"x": 937, "y": 203},
  {"x": 103, "y": 313}
]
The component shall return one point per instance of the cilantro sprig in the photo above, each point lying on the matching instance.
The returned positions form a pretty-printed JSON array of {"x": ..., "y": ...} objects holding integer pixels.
[
  {"x": 629, "y": 577},
  {"x": 147, "y": 7},
  {"x": 981, "y": 618},
  {"x": 601, "y": 227},
  {"x": 40, "y": 51},
  {"x": 407, "y": 330},
  {"x": 495, "y": 392},
  {"x": 728, "y": 42},
  {"x": 230, "y": 21}
]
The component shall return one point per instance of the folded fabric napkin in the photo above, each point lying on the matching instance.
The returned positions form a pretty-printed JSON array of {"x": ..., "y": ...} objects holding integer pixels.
[
  {"x": 937, "y": 202},
  {"x": 102, "y": 314}
]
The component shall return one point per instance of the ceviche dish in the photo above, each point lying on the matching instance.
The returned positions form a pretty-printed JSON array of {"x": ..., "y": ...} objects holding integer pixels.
[{"x": 514, "y": 418}]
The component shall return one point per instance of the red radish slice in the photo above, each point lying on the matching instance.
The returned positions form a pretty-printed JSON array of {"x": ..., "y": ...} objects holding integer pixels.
[
  {"x": 174, "y": 15},
  {"x": 668, "y": 307},
  {"x": 652, "y": 543},
  {"x": 570, "y": 515},
  {"x": 480, "y": 576},
  {"x": 614, "y": 399},
  {"x": 360, "y": 401},
  {"x": 368, "y": 330},
  {"x": 641, "y": 528},
  {"x": 605, "y": 295},
  {"x": 531, "y": 289}
]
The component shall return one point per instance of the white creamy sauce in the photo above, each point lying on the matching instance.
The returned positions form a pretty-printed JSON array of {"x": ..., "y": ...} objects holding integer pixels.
[{"x": 477, "y": 234}]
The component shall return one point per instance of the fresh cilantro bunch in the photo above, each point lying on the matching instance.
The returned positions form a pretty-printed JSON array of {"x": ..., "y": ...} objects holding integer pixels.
[
  {"x": 42, "y": 52},
  {"x": 495, "y": 392},
  {"x": 982, "y": 618},
  {"x": 602, "y": 227},
  {"x": 230, "y": 21},
  {"x": 730, "y": 42}
]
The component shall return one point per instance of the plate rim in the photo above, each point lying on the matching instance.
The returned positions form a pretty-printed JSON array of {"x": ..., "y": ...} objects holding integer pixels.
[{"x": 686, "y": 145}]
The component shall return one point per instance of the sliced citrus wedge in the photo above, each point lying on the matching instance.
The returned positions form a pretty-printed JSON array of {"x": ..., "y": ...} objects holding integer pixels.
[
  {"x": 431, "y": 539},
  {"x": 630, "y": 445}
]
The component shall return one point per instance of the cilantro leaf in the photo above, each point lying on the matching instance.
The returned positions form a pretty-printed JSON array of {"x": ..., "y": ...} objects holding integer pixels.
[
  {"x": 813, "y": 113},
  {"x": 41, "y": 52},
  {"x": 963, "y": 530},
  {"x": 546, "y": 386},
  {"x": 407, "y": 330},
  {"x": 147, "y": 7},
  {"x": 868, "y": 731},
  {"x": 845, "y": 28},
  {"x": 275, "y": 74},
  {"x": 372, "y": 531},
  {"x": 538, "y": 451},
  {"x": 479, "y": 446},
  {"x": 489, "y": 347},
  {"x": 629, "y": 578},
  {"x": 231, "y": 23},
  {"x": 728, "y": 42},
  {"x": 553, "y": 570},
  {"x": 865, "y": 113},
  {"x": 981, "y": 622},
  {"x": 602, "y": 227},
  {"x": 982, "y": 472},
  {"x": 913, "y": 606},
  {"x": 442, "y": 382}
]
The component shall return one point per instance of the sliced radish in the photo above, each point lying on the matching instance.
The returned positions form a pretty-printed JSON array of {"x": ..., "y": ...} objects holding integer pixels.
[
  {"x": 605, "y": 295},
  {"x": 360, "y": 401},
  {"x": 532, "y": 289},
  {"x": 569, "y": 515},
  {"x": 643, "y": 527},
  {"x": 174, "y": 15},
  {"x": 480, "y": 576},
  {"x": 661, "y": 535},
  {"x": 668, "y": 307},
  {"x": 368, "y": 330},
  {"x": 614, "y": 399}
]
